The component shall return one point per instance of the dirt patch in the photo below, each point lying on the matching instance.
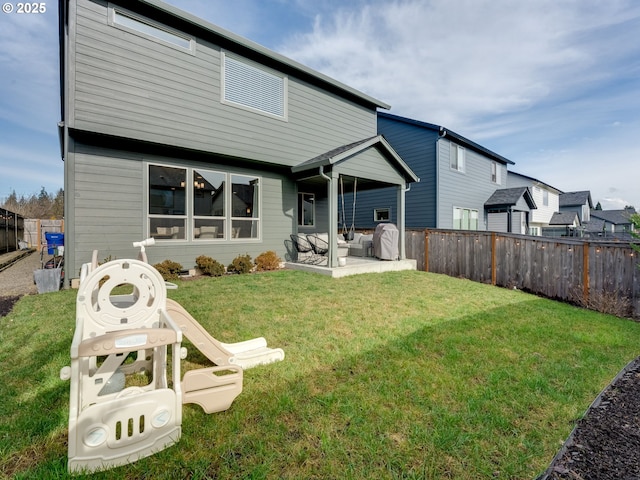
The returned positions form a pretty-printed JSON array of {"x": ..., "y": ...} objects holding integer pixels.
[
  {"x": 605, "y": 443},
  {"x": 7, "y": 303}
]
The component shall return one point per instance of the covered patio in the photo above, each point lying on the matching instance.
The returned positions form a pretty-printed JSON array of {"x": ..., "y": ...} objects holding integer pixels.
[
  {"x": 355, "y": 266},
  {"x": 327, "y": 179}
]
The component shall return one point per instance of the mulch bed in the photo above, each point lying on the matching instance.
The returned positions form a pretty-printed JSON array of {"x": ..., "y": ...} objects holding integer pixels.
[
  {"x": 605, "y": 443},
  {"x": 6, "y": 304}
]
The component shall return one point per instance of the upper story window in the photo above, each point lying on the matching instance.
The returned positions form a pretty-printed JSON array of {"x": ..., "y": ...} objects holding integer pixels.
[
  {"x": 545, "y": 198},
  {"x": 456, "y": 157},
  {"x": 495, "y": 173},
  {"x": 254, "y": 87},
  {"x": 139, "y": 25}
]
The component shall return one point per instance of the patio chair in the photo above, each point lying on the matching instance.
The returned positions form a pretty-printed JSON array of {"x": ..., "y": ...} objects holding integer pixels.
[
  {"x": 319, "y": 245},
  {"x": 304, "y": 250}
]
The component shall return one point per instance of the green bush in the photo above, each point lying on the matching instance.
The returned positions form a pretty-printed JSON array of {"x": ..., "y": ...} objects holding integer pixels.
[
  {"x": 209, "y": 266},
  {"x": 267, "y": 261},
  {"x": 169, "y": 269},
  {"x": 241, "y": 264}
]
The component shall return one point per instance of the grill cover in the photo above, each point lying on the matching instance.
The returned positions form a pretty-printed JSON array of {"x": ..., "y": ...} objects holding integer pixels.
[{"x": 385, "y": 241}]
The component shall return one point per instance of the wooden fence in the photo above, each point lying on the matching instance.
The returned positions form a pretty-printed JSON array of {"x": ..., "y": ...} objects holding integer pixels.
[
  {"x": 35, "y": 231},
  {"x": 600, "y": 275}
]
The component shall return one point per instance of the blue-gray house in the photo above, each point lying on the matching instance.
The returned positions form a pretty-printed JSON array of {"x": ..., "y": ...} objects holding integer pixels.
[{"x": 457, "y": 178}]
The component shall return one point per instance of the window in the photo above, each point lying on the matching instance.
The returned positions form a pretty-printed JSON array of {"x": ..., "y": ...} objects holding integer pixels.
[
  {"x": 167, "y": 202},
  {"x": 306, "y": 210},
  {"x": 245, "y": 216},
  {"x": 196, "y": 204},
  {"x": 456, "y": 157},
  {"x": 495, "y": 173},
  {"x": 465, "y": 219},
  {"x": 545, "y": 198},
  {"x": 209, "y": 221},
  {"x": 382, "y": 215},
  {"x": 254, "y": 87},
  {"x": 137, "y": 24}
]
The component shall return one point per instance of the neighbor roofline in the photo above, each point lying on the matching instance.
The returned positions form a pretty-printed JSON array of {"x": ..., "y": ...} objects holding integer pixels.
[{"x": 445, "y": 132}]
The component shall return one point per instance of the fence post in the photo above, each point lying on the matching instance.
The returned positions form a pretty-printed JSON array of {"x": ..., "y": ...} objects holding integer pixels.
[
  {"x": 426, "y": 250},
  {"x": 493, "y": 259},
  {"x": 585, "y": 272}
]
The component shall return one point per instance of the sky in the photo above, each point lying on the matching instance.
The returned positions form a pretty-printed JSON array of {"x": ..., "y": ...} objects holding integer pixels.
[{"x": 552, "y": 85}]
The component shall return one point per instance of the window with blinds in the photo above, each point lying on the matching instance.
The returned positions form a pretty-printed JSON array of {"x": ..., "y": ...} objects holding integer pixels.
[{"x": 254, "y": 87}]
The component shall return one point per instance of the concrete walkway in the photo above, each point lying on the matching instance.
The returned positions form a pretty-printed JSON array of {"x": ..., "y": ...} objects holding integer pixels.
[{"x": 17, "y": 279}]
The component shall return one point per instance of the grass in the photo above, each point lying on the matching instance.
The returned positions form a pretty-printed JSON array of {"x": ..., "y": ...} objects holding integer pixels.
[{"x": 400, "y": 375}]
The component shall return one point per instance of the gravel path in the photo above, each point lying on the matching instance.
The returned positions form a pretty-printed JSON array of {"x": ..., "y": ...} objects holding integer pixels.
[{"x": 18, "y": 278}]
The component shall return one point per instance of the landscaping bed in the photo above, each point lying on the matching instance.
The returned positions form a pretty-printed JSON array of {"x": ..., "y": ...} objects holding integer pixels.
[{"x": 605, "y": 443}]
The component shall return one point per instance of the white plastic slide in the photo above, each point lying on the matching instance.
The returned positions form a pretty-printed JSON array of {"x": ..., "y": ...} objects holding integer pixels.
[{"x": 245, "y": 354}]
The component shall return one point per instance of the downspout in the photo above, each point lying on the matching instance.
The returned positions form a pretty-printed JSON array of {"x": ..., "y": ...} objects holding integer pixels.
[
  {"x": 324, "y": 175},
  {"x": 441, "y": 134}
]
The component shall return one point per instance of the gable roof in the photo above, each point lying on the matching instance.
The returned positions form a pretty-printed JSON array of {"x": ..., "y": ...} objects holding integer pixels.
[
  {"x": 573, "y": 199},
  {"x": 616, "y": 217},
  {"x": 564, "y": 218},
  {"x": 345, "y": 151},
  {"x": 533, "y": 180},
  {"x": 444, "y": 132},
  {"x": 187, "y": 22},
  {"x": 506, "y": 197}
]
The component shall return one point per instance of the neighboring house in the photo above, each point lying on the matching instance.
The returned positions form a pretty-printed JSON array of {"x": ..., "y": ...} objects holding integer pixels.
[
  {"x": 578, "y": 202},
  {"x": 563, "y": 224},
  {"x": 546, "y": 198},
  {"x": 509, "y": 210},
  {"x": 457, "y": 176},
  {"x": 176, "y": 129},
  {"x": 612, "y": 223}
]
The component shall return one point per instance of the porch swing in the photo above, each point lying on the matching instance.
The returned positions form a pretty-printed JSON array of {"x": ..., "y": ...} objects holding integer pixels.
[{"x": 348, "y": 233}]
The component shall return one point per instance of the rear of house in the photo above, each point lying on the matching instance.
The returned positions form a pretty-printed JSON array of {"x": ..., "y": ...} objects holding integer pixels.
[{"x": 176, "y": 129}]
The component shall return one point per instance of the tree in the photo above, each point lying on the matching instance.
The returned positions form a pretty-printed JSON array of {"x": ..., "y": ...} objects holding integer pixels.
[
  {"x": 635, "y": 221},
  {"x": 43, "y": 205},
  {"x": 598, "y": 206}
]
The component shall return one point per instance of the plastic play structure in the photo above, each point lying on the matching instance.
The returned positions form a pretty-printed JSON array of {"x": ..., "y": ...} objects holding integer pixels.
[{"x": 126, "y": 393}]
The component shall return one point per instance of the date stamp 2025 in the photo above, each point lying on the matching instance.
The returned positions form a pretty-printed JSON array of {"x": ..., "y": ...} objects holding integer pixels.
[{"x": 24, "y": 7}]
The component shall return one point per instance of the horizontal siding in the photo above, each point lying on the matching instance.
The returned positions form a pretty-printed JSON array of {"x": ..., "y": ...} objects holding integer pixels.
[
  {"x": 543, "y": 213},
  {"x": 109, "y": 200},
  {"x": 127, "y": 85},
  {"x": 468, "y": 189},
  {"x": 371, "y": 161},
  {"x": 416, "y": 147}
]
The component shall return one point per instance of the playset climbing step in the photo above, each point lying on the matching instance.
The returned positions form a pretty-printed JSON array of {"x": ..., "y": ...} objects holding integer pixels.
[{"x": 122, "y": 408}]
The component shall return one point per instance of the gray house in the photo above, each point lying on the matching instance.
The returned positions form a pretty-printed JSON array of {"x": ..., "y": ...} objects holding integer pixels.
[
  {"x": 612, "y": 223},
  {"x": 457, "y": 177},
  {"x": 546, "y": 198},
  {"x": 509, "y": 210},
  {"x": 578, "y": 202},
  {"x": 176, "y": 129}
]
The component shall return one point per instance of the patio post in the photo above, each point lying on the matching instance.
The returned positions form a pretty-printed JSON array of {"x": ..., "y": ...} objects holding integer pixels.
[
  {"x": 401, "y": 211},
  {"x": 332, "y": 260}
]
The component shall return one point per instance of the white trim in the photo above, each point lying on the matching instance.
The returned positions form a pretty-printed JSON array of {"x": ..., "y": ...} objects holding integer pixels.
[
  {"x": 375, "y": 214},
  {"x": 157, "y": 32}
]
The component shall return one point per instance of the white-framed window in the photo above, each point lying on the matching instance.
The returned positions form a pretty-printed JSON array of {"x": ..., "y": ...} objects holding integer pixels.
[
  {"x": 456, "y": 157},
  {"x": 382, "y": 214},
  {"x": 196, "y": 204},
  {"x": 495, "y": 173},
  {"x": 545, "y": 198},
  {"x": 465, "y": 219},
  {"x": 245, "y": 207},
  {"x": 306, "y": 209},
  {"x": 253, "y": 86},
  {"x": 137, "y": 24}
]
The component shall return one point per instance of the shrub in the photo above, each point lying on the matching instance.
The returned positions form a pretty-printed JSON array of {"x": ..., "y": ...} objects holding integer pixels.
[
  {"x": 169, "y": 269},
  {"x": 241, "y": 264},
  {"x": 267, "y": 261},
  {"x": 209, "y": 266}
]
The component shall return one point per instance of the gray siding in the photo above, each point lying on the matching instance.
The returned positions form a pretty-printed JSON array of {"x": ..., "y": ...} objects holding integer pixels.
[
  {"x": 108, "y": 194},
  {"x": 131, "y": 86},
  {"x": 416, "y": 146},
  {"x": 468, "y": 189}
]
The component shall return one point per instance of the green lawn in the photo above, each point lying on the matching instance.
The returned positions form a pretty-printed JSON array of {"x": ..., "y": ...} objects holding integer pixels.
[{"x": 395, "y": 375}]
